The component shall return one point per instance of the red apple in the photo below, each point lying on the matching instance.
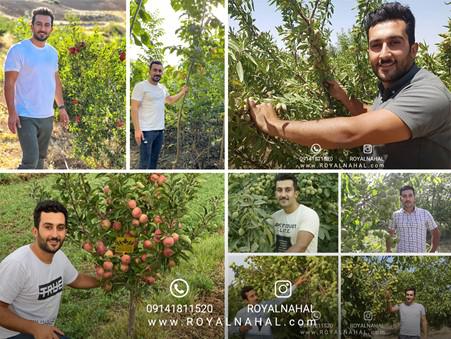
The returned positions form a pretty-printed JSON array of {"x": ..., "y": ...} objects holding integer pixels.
[
  {"x": 147, "y": 244},
  {"x": 167, "y": 252},
  {"x": 154, "y": 177},
  {"x": 109, "y": 254},
  {"x": 168, "y": 242},
  {"x": 126, "y": 259},
  {"x": 157, "y": 219},
  {"x": 144, "y": 257},
  {"x": 77, "y": 119},
  {"x": 143, "y": 218},
  {"x": 87, "y": 246},
  {"x": 100, "y": 248},
  {"x": 107, "y": 274},
  {"x": 106, "y": 224},
  {"x": 117, "y": 225},
  {"x": 124, "y": 268},
  {"x": 150, "y": 280},
  {"x": 175, "y": 236},
  {"x": 107, "y": 265},
  {"x": 135, "y": 222},
  {"x": 161, "y": 180},
  {"x": 99, "y": 272},
  {"x": 131, "y": 204},
  {"x": 136, "y": 212}
]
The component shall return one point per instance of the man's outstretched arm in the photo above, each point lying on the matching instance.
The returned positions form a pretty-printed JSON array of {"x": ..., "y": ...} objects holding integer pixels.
[
  {"x": 172, "y": 99},
  {"x": 13, "y": 322},
  {"x": 376, "y": 127}
]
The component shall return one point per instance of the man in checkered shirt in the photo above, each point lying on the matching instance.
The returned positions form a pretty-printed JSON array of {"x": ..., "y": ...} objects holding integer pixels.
[{"x": 411, "y": 223}]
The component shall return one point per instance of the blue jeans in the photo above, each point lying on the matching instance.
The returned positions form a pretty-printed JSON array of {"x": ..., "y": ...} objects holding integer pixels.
[
  {"x": 150, "y": 148},
  {"x": 29, "y": 336}
]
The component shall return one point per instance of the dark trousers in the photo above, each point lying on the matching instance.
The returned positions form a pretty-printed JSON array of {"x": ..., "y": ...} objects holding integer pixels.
[{"x": 150, "y": 148}]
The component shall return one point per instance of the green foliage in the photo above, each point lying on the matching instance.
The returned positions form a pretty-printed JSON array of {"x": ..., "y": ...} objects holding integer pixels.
[
  {"x": 369, "y": 201},
  {"x": 320, "y": 289},
  {"x": 92, "y": 72},
  {"x": 365, "y": 281},
  {"x": 252, "y": 201}
]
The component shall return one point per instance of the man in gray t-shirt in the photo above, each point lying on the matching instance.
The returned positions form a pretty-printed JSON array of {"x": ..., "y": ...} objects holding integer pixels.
[
  {"x": 410, "y": 119},
  {"x": 412, "y": 316}
]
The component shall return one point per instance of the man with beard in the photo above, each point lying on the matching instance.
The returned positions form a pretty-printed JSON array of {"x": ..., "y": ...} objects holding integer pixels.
[
  {"x": 411, "y": 223},
  {"x": 411, "y": 115},
  {"x": 147, "y": 112},
  {"x": 33, "y": 276},
  {"x": 251, "y": 322},
  {"x": 31, "y": 85},
  {"x": 296, "y": 226},
  {"x": 412, "y": 316}
]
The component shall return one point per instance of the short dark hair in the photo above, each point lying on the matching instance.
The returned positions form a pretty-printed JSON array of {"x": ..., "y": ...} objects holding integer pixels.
[
  {"x": 48, "y": 206},
  {"x": 245, "y": 290},
  {"x": 392, "y": 11},
  {"x": 411, "y": 289},
  {"x": 155, "y": 62},
  {"x": 287, "y": 176},
  {"x": 42, "y": 11},
  {"x": 406, "y": 188}
]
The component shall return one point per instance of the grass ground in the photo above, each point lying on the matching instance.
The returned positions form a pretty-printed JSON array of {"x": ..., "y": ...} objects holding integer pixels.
[{"x": 94, "y": 314}]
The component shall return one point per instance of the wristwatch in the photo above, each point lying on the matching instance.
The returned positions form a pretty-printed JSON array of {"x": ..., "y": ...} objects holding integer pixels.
[{"x": 61, "y": 106}]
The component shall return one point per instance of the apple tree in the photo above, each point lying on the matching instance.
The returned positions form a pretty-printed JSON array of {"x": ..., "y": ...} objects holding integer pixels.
[{"x": 130, "y": 224}]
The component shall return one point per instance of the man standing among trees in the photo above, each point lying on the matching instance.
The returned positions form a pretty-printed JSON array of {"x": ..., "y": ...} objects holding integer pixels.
[
  {"x": 411, "y": 114},
  {"x": 296, "y": 226},
  {"x": 147, "y": 113},
  {"x": 412, "y": 316},
  {"x": 31, "y": 85},
  {"x": 33, "y": 276},
  {"x": 252, "y": 324},
  {"x": 411, "y": 224}
]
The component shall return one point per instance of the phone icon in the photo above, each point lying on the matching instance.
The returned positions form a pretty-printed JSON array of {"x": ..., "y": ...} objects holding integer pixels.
[{"x": 179, "y": 288}]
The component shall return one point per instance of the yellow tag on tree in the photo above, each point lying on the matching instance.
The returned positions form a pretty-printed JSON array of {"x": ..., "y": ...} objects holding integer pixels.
[{"x": 125, "y": 245}]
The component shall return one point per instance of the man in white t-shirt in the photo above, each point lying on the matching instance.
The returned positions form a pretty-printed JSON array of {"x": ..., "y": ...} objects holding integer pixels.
[
  {"x": 31, "y": 85},
  {"x": 147, "y": 112},
  {"x": 296, "y": 226},
  {"x": 412, "y": 316},
  {"x": 33, "y": 276}
]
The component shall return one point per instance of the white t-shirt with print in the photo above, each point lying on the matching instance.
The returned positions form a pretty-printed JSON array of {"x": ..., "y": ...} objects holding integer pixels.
[
  {"x": 151, "y": 109},
  {"x": 35, "y": 85},
  {"x": 33, "y": 288},
  {"x": 287, "y": 226}
]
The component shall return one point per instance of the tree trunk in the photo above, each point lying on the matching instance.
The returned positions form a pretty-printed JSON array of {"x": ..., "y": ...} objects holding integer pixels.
[{"x": 132, "y": 314}]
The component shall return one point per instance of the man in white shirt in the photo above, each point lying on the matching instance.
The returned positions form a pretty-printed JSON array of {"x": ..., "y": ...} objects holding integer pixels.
[
  {"x": 147, "y": 113},
  {"x": 296, "y": 226},
  {"x": 31, "y": 85},
  {"x": 412, "y": 316},
  {"x": 411, "y": 224},
  {"x": 33, "y": 276}
]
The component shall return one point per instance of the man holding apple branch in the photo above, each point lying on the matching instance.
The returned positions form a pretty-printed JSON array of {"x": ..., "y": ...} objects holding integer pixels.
[
  {"x": 411, "y": 115},
  {"x": 33, "y": 276},
  {"x": 147, "y": 113}
]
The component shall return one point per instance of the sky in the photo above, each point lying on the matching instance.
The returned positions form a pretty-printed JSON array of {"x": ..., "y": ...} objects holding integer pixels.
[
  {"x": 169, "y": 25},
  {"x": 431, "y": 17}
]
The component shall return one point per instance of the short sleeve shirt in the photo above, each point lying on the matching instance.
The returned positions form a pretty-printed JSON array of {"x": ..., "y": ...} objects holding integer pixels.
[
  {"x": 287, "y": 226},
  {"x": 151, "y": 108},
  {"x": 31, "y": 287},
  {"x": 423, "y": 103},
  {"x": 35, "y": 85},
  {"x": 410, "y": 319},
  {"x": 411, "y": 229}
]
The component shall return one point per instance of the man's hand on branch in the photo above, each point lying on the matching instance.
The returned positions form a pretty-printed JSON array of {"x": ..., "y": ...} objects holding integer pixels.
[{"x": 264, "y": 116}]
